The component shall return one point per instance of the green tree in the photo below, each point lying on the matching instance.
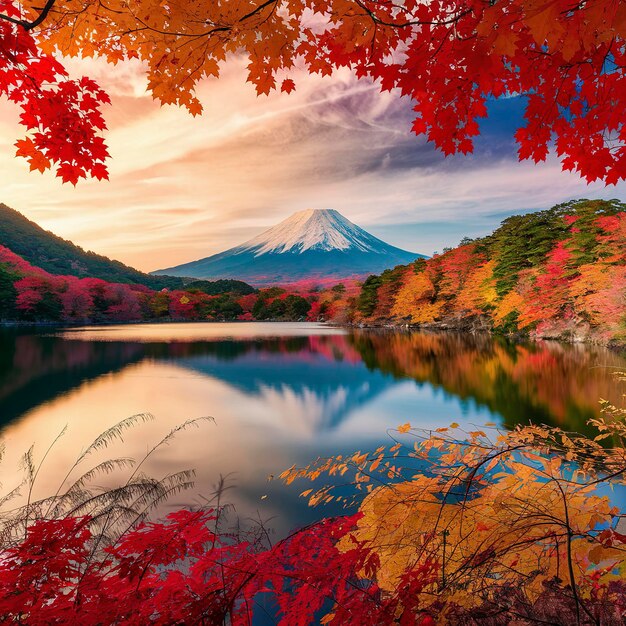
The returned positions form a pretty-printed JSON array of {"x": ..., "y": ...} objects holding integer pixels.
[
  {"x": 259, "y": 310},
  {"x": 296, "y": 307},
  {"x": 8, "y": 292},
  {"x": 277, "y": 309},
  {"x": 224, "y": 307},
  {"x": 368, "y": 298},
  {"x": 522, "y": 242}
]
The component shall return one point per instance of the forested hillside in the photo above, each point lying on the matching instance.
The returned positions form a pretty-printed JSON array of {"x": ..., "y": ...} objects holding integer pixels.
[
  {"x": 58, "y": 256},
  {"x": 557, "y": 273},
  {"x": 31, "y": 294}
]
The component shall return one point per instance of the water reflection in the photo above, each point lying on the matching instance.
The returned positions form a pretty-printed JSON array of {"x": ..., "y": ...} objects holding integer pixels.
[
  {"x": 310, "y": 384},
  {"x": 546, "y": 382},
  {"x": 281, "y": 394},
  {"x": 37, "y": 368},
  {"x": 317, "y": 374}
]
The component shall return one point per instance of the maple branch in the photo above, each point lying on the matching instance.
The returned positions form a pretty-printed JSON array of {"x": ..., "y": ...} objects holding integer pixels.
[
  {"x": 13, "y": 20},
  {"x": 453, "y": 19},
  {"x": 215, "y": 28},
  {"x": 257, "y": 10},
  {"x": 25, "y": 24},
  {"x": 570, "y": 566},
  {"x": 42, "y": 16}
]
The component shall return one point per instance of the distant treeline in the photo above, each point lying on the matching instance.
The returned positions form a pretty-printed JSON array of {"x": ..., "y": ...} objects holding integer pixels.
[
  {"x": 556, "y": 273},
  {"x": 31, "y": 294}
]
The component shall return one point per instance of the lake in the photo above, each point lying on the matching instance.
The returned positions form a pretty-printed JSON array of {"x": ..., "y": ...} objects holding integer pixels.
[{"x": 280, "y": 394}]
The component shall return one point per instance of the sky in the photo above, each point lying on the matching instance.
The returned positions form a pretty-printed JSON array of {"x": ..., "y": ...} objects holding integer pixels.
[{"x": 183, "y": 188}]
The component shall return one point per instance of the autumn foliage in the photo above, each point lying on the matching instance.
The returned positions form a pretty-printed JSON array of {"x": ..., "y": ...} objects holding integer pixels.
[
  {"x": 450, "y": 57},
  {"x": 29, "y": 293},
  {"x": 172, "y": 572},
  {"x": 61, "y": 115},
  {"x": 516, "y": 527},
  {"x": 559, "y": 273},
  {"x": 451, "y": 527}
]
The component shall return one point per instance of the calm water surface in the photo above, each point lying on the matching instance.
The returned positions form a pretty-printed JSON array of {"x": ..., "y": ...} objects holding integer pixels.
[{"x": 280, "y": 394}]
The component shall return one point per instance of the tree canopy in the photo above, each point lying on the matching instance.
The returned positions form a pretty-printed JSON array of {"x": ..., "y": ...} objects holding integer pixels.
[
  {"x": 448, "y": 56},
  {"x": 560, "y": 272}
]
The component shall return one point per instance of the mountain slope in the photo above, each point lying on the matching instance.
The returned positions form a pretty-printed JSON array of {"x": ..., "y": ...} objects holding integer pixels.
[
  {"x": 316, "y": 243},
  {"x": 59, "y": 256}
]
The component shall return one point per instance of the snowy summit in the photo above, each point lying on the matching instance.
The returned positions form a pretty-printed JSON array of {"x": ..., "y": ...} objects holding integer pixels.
[
  {"x": 313, "y": 229},
  {"x": 310, "y": 244}
]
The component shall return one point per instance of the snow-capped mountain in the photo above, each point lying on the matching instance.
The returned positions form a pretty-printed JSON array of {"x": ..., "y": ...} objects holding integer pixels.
[
  {"x": 311, "y": 244},
  {"x": 313, "y": 229}
]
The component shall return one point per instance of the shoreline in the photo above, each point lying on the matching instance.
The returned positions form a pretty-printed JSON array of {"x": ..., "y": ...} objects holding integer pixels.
[
  {"x": 382, "y": 325},
  {"x": 518, "y": 337},
  {"x": 22, "y": 324}
]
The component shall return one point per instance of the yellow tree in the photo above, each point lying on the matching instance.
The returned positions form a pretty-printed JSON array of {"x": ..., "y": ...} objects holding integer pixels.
[
  {"x": 478, "y": 293},
  {"x": 416, "y": 299},
  {"x": 513, "y": 522}
]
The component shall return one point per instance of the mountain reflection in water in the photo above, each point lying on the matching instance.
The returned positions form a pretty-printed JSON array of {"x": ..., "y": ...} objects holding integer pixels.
[
  {"x": 281, "y": 393},
  {"x": 320, "y": 378}
]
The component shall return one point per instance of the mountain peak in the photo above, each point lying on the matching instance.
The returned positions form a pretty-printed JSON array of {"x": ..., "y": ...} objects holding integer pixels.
[
  {"x": 310, "y": 244},
  {"x": 312, "y": 229}
]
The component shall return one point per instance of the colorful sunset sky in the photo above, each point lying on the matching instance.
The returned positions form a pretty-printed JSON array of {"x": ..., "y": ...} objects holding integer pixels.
[{"x": 183, "y": 188}]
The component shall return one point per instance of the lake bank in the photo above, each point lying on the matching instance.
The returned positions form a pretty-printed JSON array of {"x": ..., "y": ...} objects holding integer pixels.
[
  {"x": 469, "y": 326},
  {"x": 473, "y": 326}
]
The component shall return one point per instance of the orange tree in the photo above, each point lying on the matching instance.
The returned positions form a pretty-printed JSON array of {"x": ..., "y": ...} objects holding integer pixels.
[
  {"x": 512, "y": 528},
  {"x": 449, "y": 56}
]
